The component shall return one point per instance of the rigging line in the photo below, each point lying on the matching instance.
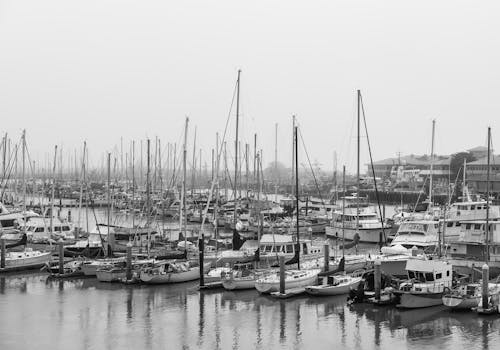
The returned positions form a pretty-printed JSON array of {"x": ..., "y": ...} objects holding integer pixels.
[
  {"x": 373, "y": 168},
  {"x": 10, "y": 167},
  {"x": 218, "y": 157},
  {"x": 310, "y": 166}
]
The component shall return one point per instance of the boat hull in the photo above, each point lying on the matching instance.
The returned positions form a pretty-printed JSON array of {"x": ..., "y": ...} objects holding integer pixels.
[
  {"x": 266, "y": 286},
  {"x": 460, "y": 303},
  {"x": 239, "y": 283},
  {"x": 14, "y": 262},
  {"x": 326, "y": 290},
  {"x": 419, "y": 300}
]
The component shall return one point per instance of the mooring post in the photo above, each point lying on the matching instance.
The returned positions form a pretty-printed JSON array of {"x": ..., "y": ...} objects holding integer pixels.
[
  {"x": 486, "y": 278},
  {"x": 282, "y": 274},
  {"x": 327, "y": 256},
  {"x": 69, "y": 215},
  {"x": 472, "y": 273},
  {"x": 128, "y": 276},
  {"x": 61, "y": 256},
  {"x": 2, "y": 252},
  {"x": 201, "y": 248},
  {"x": 378, "y": 279}
]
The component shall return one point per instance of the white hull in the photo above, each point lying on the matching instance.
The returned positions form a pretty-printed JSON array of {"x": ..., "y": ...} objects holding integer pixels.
[
  {"x": 173, "y": 277},
  {"x": 271, "y": 284},
  {"x": 16, "y": 261},
  {"x": 325, "y": 290},
  {"x": 239, "y": 283},
  {"x": 460, "y": 303}
]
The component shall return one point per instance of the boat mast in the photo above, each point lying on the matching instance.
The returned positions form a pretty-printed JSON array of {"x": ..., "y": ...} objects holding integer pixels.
[
  {"x": 24, "y": 178},
  {"x": 235, "y": 216},
  {"x": 52, "y": 196},
  {"x": 183, "y": 212},
  {"x": 343, "y": 211},
  {"x": 463, "y": 181},
  {"x": 432, "y": 165},
  {"x": 276, "y": 162},
  {"x": 357, "y": 164},
  {"x": 193, "y": 174},
  {"x": 297, "y": 194},
  {"x": 111, "y": 236},
  {"x": 487, "y": 233},
  {"x": 82, "y": 177}
]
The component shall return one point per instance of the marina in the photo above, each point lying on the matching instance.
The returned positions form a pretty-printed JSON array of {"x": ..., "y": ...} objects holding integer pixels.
[{"x": 249, "y": 175}]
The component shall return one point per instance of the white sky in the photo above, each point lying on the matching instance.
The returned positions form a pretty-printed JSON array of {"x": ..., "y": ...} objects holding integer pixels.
[{"x": 98, "y": 70}]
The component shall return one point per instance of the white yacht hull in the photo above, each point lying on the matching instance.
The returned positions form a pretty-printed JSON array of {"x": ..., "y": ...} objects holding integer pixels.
[
  {"x": 173, "y": 277},
  {"x": 325, "y": 290},
  {"x": 271, "y": 285},
  {"x": 17, "y": 261}
]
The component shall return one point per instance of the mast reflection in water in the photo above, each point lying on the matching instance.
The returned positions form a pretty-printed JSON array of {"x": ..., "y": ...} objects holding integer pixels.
[{"x": 86, "y": 314}]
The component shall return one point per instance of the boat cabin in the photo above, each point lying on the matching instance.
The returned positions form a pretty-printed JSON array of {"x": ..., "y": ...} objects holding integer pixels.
[
  {"x": 421, "y": 234},
  {"x": 286, "y": 245}
]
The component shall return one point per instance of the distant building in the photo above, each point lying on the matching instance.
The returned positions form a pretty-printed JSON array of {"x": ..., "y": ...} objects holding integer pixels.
[
  {"x": 476, "y": 174},
  {"x": 412, "y": 166}
]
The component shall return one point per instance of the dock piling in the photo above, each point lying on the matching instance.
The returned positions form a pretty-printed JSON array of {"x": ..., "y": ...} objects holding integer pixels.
[
  {"x": 486, "y": 278},
  {"x": 2, "y": 252},
  {"x": 378, "y": 279},
  {"x": 327, "y": 257},
  {"x": 201, "y": 248},
  {"x": 282, "y": 274},
  {"x": 129, "y": 261},
  {"x": 61, "y": 256}
]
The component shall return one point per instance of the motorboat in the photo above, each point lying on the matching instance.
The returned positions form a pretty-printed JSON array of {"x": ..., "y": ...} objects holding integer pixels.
[{"x": 427, "y": 281}]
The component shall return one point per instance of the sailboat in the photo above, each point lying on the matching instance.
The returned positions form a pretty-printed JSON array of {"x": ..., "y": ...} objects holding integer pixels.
[
  {"x": 270, "y": 282},
  {"x": 361, "y": 221}
]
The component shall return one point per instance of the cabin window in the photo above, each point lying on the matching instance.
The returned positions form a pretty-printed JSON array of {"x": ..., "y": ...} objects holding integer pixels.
[
  {"x": 65, "y": 228},
  {"x": 472, "y": 207},
  {"x": 429, "y": 276},
  {"x": 448, "y": 273},
  {"x": 439, "y": 276},
  {"x": 477, "y": 226},
  {"x": 39, "y": 229},
  {"x": 289, "y": 248},
  {"x": 467, "y": 226},
  {"x": 449, "y": 224},
  {"x": 457, "y": 224},
  {"x": 304, "y": 248},
  {"x": 57, "y": 228},
  {"x": 411, "y": 274}
]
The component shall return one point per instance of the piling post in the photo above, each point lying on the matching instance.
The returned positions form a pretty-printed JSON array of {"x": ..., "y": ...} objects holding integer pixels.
[
  {"x": 201, "y": 249},
  {"x": 378, "y": 279},
  {"x": 282, "y": 274},
  {"x": 2, "y": 252},
  {"x": 486, "y": 278},
  {"x": 129, "y": 261},
  {"x": 69, "y": 215},
  {"x": 472, "y": 273},
  {"x": 61, "y": 256},
  {"x": 326, "y": 249}
]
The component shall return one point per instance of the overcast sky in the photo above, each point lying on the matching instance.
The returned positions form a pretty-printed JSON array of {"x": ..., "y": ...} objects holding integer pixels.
[{"x": 98, "y": 70}]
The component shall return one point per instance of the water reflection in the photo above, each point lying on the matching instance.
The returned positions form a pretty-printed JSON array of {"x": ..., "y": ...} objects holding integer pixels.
[{"x": 103, "y": 315}]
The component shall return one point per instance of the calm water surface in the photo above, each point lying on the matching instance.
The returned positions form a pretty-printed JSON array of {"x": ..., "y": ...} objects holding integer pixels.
[{"x": 87, "y": 314}]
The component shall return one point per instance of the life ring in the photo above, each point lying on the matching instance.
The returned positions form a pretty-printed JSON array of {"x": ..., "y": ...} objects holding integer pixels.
[{"x": 446, "y": 290}]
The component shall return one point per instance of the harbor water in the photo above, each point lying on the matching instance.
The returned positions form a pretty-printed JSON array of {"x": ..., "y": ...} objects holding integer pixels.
[{"x": 87, "y": 314}]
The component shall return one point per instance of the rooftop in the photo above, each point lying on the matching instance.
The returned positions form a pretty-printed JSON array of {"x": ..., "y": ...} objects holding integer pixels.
[{"x": 413, "y": 159}]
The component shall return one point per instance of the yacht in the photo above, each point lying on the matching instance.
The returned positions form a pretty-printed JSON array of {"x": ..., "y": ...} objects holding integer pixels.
[
  {"x": 368, "y": 226},
  {"x": 427, "y": 281}
]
